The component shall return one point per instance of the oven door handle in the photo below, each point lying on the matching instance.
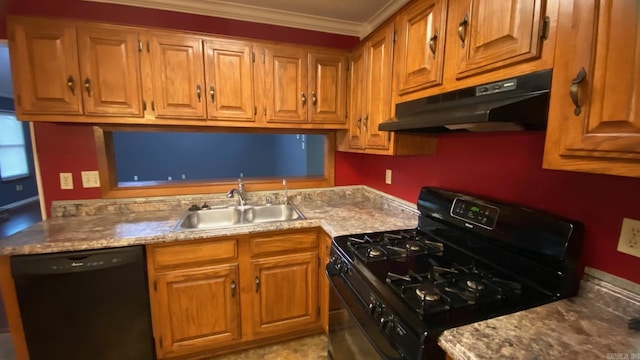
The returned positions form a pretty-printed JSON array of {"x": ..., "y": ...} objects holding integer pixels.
[{"x": 357, "y": 310}]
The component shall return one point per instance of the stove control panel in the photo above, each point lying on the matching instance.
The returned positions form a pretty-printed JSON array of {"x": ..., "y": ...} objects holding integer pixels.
[{"x": 483, "y": 215}]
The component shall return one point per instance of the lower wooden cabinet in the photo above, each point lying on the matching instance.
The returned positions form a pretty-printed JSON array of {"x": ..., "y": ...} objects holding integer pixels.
[
  {"x": 219, "y": 295},
  {"x": 197, "y": 308},
  {"x": 286, "y": 292}
]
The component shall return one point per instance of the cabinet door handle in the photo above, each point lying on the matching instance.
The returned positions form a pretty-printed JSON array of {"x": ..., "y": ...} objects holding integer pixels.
[
  {"x": 199, "y": 92},
  {"x": 314, "y": 98},
  {"x": 366, "y": 119},
  {"x": 87, "y": 86},
  {"x": 233, "y": 288},
  {"x": 303, "y": 98},
  {"x": 432, "y": 43},
  {"x": 359, "y": 122},
  {"x": 71, "y": 83},
  {"x": 573, "y": 90},
  {"x": 257, "y": 282},
  {"x": 212, "y": 92},
  {"x": 462, "y": 29}
]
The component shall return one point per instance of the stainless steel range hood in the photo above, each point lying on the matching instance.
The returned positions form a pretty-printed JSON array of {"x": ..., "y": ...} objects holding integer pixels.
[{"x": 519, "y": 103}]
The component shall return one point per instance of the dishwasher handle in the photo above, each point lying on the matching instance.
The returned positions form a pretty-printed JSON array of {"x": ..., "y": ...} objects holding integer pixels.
[{"x": 73, "y": 262}]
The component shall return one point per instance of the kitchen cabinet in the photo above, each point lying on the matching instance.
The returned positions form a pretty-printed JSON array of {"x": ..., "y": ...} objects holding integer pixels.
[
  {"x": 50, "y": 79},
  {"x": 370, "y": 102},
  {"x": 494, "y": 34},
  {"x": 222, "y": 294},
  {"x": 44, "y": 63},
  {"x": 284, "y": 270},
  {"x": 302, "y": 86},
  {"x": 110, "y": 71},
  {"x": 177, "y": 72},
  {"x": 421, "y": 38},
  {"x": 593, "y": 125},
  {"x": 194, "y": 295},
  {"x": 448, "y": 45},
  {"x": 229, "y": 80}
]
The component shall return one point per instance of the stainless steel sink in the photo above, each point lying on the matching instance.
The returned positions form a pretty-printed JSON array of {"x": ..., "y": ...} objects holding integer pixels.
[{"x": 215, "y": 218}]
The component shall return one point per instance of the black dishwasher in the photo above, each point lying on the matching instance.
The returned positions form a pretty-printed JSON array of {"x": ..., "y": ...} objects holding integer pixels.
[{"x": 85, "y": 304}]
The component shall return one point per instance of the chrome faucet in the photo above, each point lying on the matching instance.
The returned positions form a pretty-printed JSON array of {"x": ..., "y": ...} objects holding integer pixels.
[
  {"x": 286, "y": 191},
  {"x": 239, "y": 192}
]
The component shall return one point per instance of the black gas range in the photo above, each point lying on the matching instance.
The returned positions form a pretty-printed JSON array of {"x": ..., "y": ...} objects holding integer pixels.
[{"x": 469, "y": 259}]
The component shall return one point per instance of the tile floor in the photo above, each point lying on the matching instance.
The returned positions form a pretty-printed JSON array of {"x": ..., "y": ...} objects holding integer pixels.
[{"x": 307, "y": 348}]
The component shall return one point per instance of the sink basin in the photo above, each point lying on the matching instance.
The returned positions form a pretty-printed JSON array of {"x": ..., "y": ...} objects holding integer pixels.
[{"x": 237, "y": 215}]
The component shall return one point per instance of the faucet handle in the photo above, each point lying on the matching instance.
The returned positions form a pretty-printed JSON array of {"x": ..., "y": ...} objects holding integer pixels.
[
  {"x": 286, "y": 191},
  {"x": 240, "y": 185}
]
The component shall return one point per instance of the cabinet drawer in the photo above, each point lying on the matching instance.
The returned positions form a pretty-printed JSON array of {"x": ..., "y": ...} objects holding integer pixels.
[
  {"x": 280, "y": 242},
  {"x": 193, "y": 253}
]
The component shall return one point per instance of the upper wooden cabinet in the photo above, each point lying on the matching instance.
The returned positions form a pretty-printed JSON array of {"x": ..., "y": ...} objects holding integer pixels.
[
  {"x": 494, "y": 33},
  {"x": 302, "y": 86},
  {"x": 177, "y": 72},
  {"x": 110, "y": 70},
  {"x": 229, "y": 75},
  {"x": 370, "y": 102},
  {"x": 419, "y": 58},
  {"x": 594, "y": 123}
]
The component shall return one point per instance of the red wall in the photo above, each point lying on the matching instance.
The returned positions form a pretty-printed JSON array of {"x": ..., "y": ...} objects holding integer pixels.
[
  {"x": 71, "y": 148},
  {"x": 508, "y": 167}
]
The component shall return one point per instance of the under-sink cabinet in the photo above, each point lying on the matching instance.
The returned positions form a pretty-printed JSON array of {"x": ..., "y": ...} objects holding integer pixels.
[{"x": 224, "y": 294}]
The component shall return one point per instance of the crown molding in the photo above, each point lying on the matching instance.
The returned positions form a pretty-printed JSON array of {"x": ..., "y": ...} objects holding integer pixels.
[{"x": 227, "y": 10}]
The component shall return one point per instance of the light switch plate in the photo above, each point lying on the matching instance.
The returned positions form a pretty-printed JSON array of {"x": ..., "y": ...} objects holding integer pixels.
[
  {"x": 66, "y": 181},
  {"x": 90, "y": 179},
  {"x": 387, "y": 177},
  {"x": 629, "y": 241}
]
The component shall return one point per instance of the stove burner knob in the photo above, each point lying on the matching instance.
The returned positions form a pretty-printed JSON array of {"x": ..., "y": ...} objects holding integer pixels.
[
  {"x": 387, "y": 323},
  {"x": 375, "y": 309}
]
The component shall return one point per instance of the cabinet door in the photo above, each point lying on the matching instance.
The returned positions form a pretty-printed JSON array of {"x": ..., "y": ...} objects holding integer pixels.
[
  {"x": 44, "y": 60},
  {"x": 378, "y": 88},
  {"x": 327, "y": 87},
  {"x": 420, "y": 55},
  {"x": 110, "y": 69},
  {"x": 198, "y": 309},
  {"x": 600, "y": 131},
  {"x": 357, "y": 92},
  {"x": 178, "y": 76},
  {"x": 229, "y": 73},
  {"x": 286, "y": 290},
  {"x": 285, "y": 84},
  {"x": 495, "y": 33}
]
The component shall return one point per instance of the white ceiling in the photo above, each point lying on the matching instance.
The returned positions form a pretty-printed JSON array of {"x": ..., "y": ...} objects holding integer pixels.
[{"x": 346, "y": 17}]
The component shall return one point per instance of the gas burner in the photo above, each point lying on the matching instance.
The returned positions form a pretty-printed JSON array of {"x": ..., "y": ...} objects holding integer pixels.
[
  {"x": 474, "y": 285},
  {"x": 425, "y": 294},
  {"x": 412, "y": 246},
  {"x": 374, "y": 252}
]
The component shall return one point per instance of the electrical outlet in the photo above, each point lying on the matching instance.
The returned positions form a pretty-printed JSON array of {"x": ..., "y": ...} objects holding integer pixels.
[
  {"x": 18, "y": 187},
  {"x": 387, "y": 177},
  {"x": 629, "y": 242},
  {"x": 66, "y": 181},
  {"x": 90, "y": 179}
]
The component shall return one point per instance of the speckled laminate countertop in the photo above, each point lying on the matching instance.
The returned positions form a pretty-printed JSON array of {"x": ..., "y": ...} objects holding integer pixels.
[
  {"x": 94, "y": 224},
  {"x": 592, "y": 325}
]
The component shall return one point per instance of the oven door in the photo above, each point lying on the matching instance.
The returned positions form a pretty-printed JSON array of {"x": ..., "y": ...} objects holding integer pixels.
[{"x": 352, "y": 332}]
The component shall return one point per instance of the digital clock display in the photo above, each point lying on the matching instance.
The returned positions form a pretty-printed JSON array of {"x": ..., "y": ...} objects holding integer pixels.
[{"x": 483, "y": 215}]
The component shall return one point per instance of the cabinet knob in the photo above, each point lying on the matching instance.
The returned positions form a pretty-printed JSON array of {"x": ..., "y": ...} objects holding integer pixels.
[
  {"x": 358, "y": 122},
  {"x": 574, "y": 89},
  {"x": 87, "y": 86},
  {"x": 71, "y": 84},
  {"x": 432, "y": 43},
  {"x": 199, "y": 92},
  {"x": 257, "y": 282},
  {"x": 233, "y": 288},
  {"x": 462, "y": 29},
  {"x": 303, "y": 98},
  {"x": 365, "y": 120},
  {"x": 314, "y": 98},
  {"x": 212, "y": 92}
]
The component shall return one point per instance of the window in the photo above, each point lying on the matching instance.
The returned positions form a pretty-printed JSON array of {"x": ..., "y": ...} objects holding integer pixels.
[
  {"x": 158, "y": 161},
  {"x": 13, "y": 151}
]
